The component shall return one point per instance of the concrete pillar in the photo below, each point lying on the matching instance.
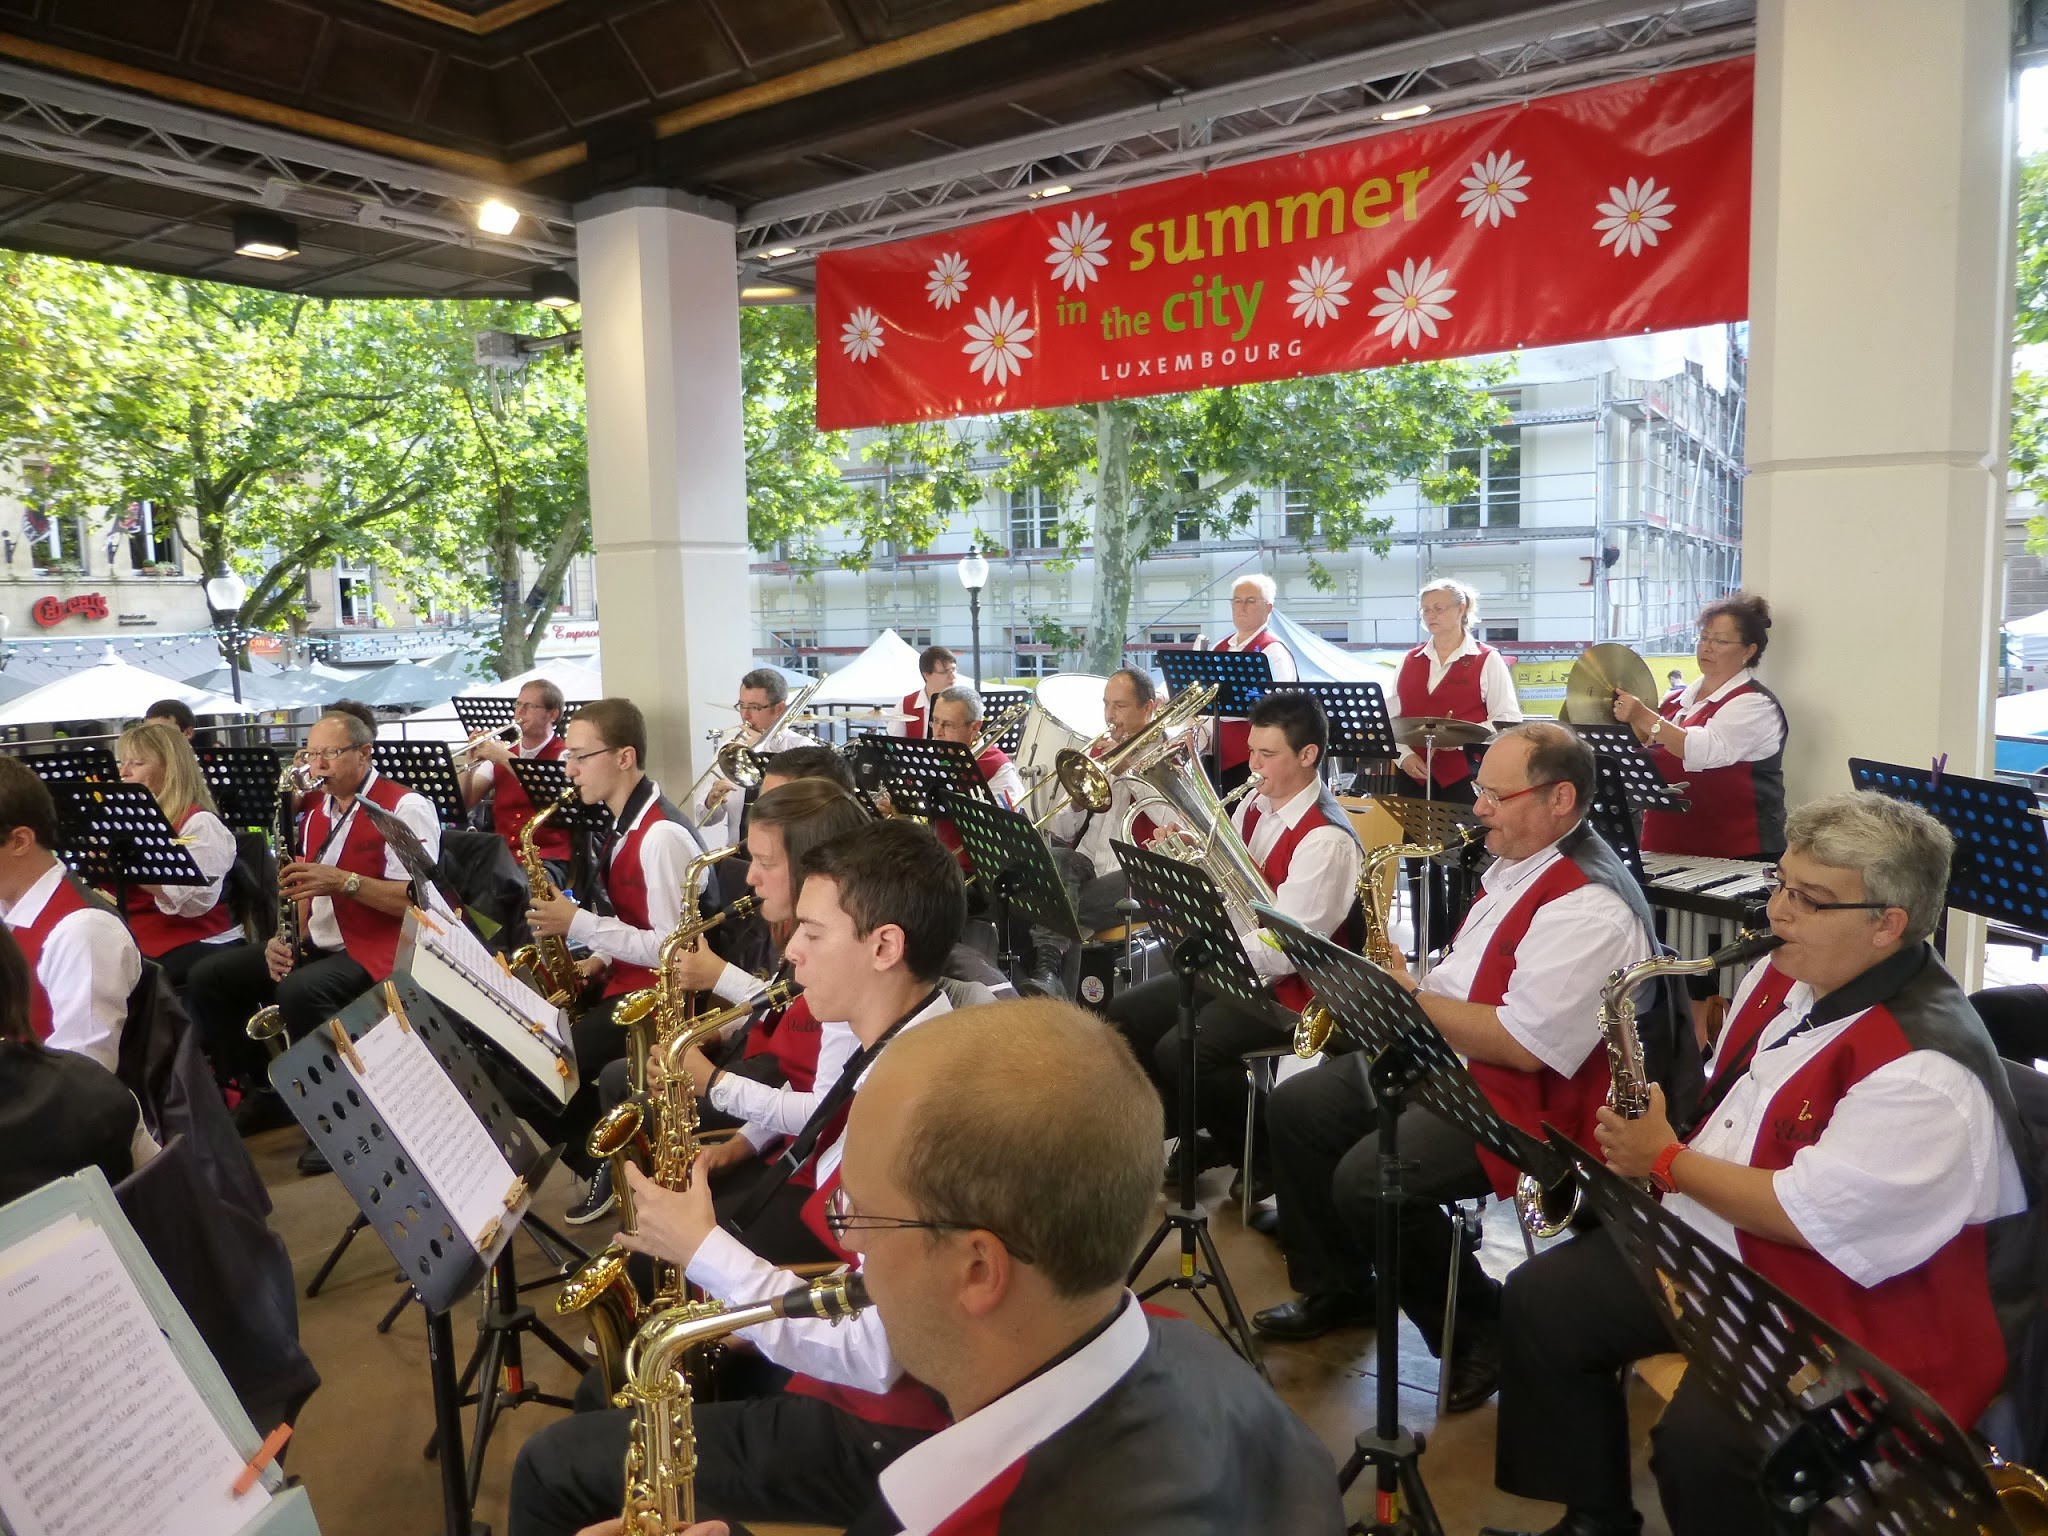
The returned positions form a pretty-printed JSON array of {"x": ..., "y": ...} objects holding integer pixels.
[
  {"x": 1880, "y": 284},
  {"x": 668, "y": 476}
]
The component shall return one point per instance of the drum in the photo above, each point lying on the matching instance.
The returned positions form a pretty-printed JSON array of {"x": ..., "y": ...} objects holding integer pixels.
[{"x": 1066, "y": 704}]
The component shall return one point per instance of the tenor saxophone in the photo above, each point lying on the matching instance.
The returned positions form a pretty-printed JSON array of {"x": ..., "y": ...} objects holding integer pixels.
[
  {"x": 1547, "y": 1210},
  {"x": 547, "y": 960},
  {"x": 661, "y": 1448}
]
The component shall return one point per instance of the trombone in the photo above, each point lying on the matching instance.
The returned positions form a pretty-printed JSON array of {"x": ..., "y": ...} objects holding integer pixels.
[
  {"x": 743, "y": 738},
  {"x": 1003, "y": 725}
]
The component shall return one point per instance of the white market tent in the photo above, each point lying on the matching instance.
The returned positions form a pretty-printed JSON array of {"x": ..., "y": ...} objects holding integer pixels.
[
  {"x": 2034, "y": 625},
  {"x": 440, "y": 723},
  {"x": 110, "y": 690},
  {"x": 880, "y": 675},
  {"x": 2022, "y": 714}
]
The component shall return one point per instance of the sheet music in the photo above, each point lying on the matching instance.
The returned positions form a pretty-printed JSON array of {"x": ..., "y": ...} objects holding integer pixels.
[
  {"x": 103, "y": 1433},
  {"x": 454, "y": 943},
  {"x": 435, "y": 1124}
]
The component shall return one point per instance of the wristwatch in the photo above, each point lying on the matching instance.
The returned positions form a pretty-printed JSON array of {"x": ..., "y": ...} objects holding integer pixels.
[
  {"x": 352, "y": 884},
  {"x": 1660, "y": 1170}
]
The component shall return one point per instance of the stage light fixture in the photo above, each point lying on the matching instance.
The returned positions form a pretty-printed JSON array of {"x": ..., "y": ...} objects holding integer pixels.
[
  {"x": 1422, "y": 109},
  {"x": 265, "y": 236},
  {"x": 779, "y": 252},
  {"x": 1060, "y": 190},
  {"x": 494, "y": 217},
  {"x": 554, "y": 289}
]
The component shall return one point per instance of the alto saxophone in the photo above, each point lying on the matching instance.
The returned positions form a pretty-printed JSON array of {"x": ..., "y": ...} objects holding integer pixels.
[
  {"x": 1548, "y": 1210},
  {"x": 266, "y": 1025},
  {"x": 661, "y": 1448},
  {"x": 547, "y": 960},
  {"x": 654, "y": 1013}
]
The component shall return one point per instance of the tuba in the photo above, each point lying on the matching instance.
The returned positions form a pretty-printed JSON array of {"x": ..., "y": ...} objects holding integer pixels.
[
  {"x": 267, "y": 1023},
  {"x": 1548, "y": 1210},
  {"x": 548, "y": 960}
]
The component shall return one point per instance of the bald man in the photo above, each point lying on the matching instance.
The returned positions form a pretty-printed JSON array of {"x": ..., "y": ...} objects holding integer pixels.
[{"x": 1000, "y": 1170}]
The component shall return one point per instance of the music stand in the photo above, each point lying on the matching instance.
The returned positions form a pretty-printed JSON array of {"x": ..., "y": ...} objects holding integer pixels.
[
  {"x": 427, "y": 768},
  {"x": 441, "y": 1264},
  {"x": 544, "y": 779},
  {"x": 1360, "y": 726},
  {"x": 994, "y": 701},
  {"x": 116, "y": 835},
  {"x": 1184, "y": 904},
  {"x": 1611, "y": 816},
  {"x": 2000, "y": 866},
  {"x": 1833, "y": 1425},
  {"x": 925, "y": 778},
  {"x": 244, "y": 784},
  {"x": 482, "y": 713},
  {"x": 412, "y": 853},
  {"x": 1642, "y": 782},
  {"x": 1242, "y": 678},
  {"x": 85, "y": 762},
  {"x": 1428, "y": 822},
  {"x": 1016, "y": 868}
]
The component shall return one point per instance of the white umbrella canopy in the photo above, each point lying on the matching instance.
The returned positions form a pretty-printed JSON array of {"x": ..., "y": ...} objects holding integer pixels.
[
  {"x": 2022, "y": 714},
  {"x": 111, "y": 690},
  {"x": 882, "y": 674}
]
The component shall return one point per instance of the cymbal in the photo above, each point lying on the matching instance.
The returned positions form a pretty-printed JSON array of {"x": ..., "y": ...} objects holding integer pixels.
[
  {"x": 1589, "y": 690},
  {"x": 1415, "y": 731}
]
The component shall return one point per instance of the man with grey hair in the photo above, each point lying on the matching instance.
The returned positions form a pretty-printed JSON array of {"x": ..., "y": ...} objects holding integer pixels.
[
  {"x": 1251, "y": 613},
  {"x": 1856, "y": 1137},
  {"x": 763, "y": 706},
  {"x": 957, "y": 716}
]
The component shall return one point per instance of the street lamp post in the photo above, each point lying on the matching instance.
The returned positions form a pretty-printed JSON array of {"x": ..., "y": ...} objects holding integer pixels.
[
  {"x": 224, "y": 595},
  {"x": 974, "y": 576}
]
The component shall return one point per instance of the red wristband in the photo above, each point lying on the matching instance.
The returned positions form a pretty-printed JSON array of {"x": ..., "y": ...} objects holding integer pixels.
[{"x": 1660, "y": 1170}]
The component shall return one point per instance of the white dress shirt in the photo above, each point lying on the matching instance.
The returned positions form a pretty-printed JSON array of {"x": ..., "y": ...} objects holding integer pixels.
[
  {"x": 88, "y": 966},
  {"x": 1098, "y": 830},
  {"x": 666, "y": 849},
  {"x": 1278, "y": 657},
  {"x": 1322, "y": 877},
  {"x": 484, "y": 773},
  {"x": 1552, "y": 1007},
  {"x": 1911, "y": 1153},
  {"x": 212, "y": 847},
  {"x": 323, "y": 931},
  {"x": 771, "y": 1112},
  {"x": 723, "y": 828},
  {"x": 1007, "y": 785},
  {"x": 1744, "y": 730}
]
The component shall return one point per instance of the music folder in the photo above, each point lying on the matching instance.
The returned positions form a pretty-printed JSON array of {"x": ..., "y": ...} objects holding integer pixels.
[{"x": 511, "y": 1019}]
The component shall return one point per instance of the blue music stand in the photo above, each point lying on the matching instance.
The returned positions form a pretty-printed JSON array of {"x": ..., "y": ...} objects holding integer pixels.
[{"x": 2000, "y": 866}]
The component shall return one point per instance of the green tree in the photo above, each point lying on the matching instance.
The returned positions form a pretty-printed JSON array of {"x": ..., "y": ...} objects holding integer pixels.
[{"x": 2028, "y": 459}]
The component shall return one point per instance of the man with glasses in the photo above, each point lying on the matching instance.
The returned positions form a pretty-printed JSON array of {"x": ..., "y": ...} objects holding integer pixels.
[
  {"x": 535, "y": 712},
  {"x": 352, "y": 889},
  {"x": 1517, "y": 995},
  {"x": 1856, "y": 1137},
  {"x": 1251, "y": 610},
  {"x": 937, "y": 670},
  {"x": 763, "y": 702}
]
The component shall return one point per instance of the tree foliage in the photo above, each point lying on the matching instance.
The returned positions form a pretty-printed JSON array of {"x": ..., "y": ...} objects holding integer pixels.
[{"x": 2028, "y": 460}]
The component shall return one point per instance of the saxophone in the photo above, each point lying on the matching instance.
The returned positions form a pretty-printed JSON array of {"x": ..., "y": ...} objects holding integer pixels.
[
  {"x": 266, "y": 1025},
  {"x": 1548, "y": 1210},
  {"x": 546, "y": 960},
  {"x": 654, "y": 1013},
  {"x": 661, "y": 1448}
]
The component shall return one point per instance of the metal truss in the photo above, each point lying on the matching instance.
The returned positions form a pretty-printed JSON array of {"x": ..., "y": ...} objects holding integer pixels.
[
  {"x": 1563, "y": 47},
  {"x": 99, "y": 131}
]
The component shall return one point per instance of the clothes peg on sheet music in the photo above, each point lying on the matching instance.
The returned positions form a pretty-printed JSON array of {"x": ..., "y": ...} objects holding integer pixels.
[{"x": 1934, "y": 780}]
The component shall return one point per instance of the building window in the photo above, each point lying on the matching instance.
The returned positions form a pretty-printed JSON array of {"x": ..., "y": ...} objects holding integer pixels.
[
  {"x": 355, "y": 600},
  {"x": 1187, "y": 527},
  {"x": 53, "y": 542},
  {"x": 152, "y": 537},
  {"x": 1029, "y": 658},
  {"x": 1496, "y": 463},
  {"x": 916, "y": 639},
  {"x": 1297, "y": 517},
  {"x": 1185, "y": 638},
  {"x": 799, "y": 651},
  {"x": 1336, "y": 634},
  {"x": 1497, "y": 633},
  {"x": 1034, "y": 520}
]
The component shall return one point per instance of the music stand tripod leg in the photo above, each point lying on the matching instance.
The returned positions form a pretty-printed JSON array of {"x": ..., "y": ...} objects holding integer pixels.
[
  {"x": 334, "y": 1256},
  {"x": 455, "y": 1505}
]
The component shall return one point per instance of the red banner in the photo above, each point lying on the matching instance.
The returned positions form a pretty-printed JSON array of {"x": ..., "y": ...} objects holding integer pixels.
[{"x": 1598, "y": 213}]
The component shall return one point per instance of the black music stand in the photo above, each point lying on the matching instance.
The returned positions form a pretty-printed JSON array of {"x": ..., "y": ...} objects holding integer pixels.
[
  {"x": 1184, "y": 904},
  {"x": 116, "y": 835},
  {"x": 1360, "y": 726},
  {"x": 1016, "y": 868},
  {"x": 1440, "y": 823},
  {"x": 925, "y": 778},
  {"x": 1242, "y": 678},
  {"x": 1612, "y": 817},
  {"x": 244, "y": 784},
  {"x": 2000, "y": 866},
  {"x": 1642, "y": 783},
  {"x": 480, "y": 714},
  {"x": 440, "y": 1263},
  {"x": 86, "y": 762},
  {"x": 427, "y": 768},
  {"x": 1835, "y": 1428},
  {"x": 412, "y": 853},
  {"x": 994, "y": 701},
  {"x": 544, "y": 779}
]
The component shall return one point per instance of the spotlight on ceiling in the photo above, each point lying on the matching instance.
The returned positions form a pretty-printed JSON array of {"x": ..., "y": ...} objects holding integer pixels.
[
  {"x": 265, "y": 236},
  {"x": 554, "y": 289},
  {"x": 1053, "y": 191},
  {"x": 496, "y": 218},
  {"x": 779, "y": 252},
  {"x": 1422, "y": 109}
]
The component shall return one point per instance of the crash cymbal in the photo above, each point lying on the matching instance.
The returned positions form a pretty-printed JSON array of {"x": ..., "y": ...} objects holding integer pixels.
[
  {"x": 1589, "y": 690},
  {"x": 1417, "y": 730}
]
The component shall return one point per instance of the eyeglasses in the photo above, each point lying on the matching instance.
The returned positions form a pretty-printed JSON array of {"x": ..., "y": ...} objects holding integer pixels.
[
  {"x": 577, "y": 757},
  {"x": 1717, "y": 642},
  {"x": 329, "y": 754},
  {"x": 1801, "y": 902},
  {"x": 754, "y": 709},
  {"x": 1499, "y": 799},
  {"x": 841, "y": 1218}
]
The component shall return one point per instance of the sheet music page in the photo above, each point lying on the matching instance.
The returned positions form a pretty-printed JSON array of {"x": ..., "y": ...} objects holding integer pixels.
[
  {"x": 103, "y": 1433},
  {"x": 434, "y": 1123},
  {"x": 462, "y": 949}
]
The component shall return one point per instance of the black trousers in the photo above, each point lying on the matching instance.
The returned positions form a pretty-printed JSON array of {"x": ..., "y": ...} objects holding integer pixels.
[
  {"x": 782, "y": 1457},
  {"x": 1323, "y": 1127},
  {"x": 597, "y": 1042},
  {"x": 1149, "y": 1017},
  {"x": 1572, "y": 1318},
  {"x": 223, "y": 991},
  {"x": 177, "y": 963}
]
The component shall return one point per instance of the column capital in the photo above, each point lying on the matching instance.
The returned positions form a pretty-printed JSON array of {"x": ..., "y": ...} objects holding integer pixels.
[{"x": 654, "y": 197}]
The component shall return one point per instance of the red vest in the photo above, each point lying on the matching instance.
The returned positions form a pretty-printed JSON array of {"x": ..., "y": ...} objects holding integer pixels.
[
  {"x": 793, "y": 1040},
  {"x": 1527, "y": 1099},
  {"x": 1290, "y": 991},
  {"x": 369, "y": 937},
  {"x": 1934, "y": 1323},
  {"x": 1233, "y": 737},
  {"x": 1457, "y": 697},
  {"x": 625, "y": 882},
  {"x": 913, "y": 706},
  {"x": 66, "y": 899},
  {"x": 158, "y": 932},
  {"x": 512, "y": 808},
  {"x": 1738, "y": 812}
]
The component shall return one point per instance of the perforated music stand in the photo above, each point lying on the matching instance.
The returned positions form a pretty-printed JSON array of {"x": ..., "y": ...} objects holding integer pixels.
[
  {"x": 1182, "y": 902},
  {"x": 2000, "y": 866},
  {"x": 1360, "y": 726},
  {"x": 1016, "y": 869},
  {"x": 115, "y": 836},
  {"x": 1242, "y": 678},
  {"x": 440, "y": 1263},
  {"x": 925, "y": 777},
  {"x": 544, "y": 779},
  {"x": 994, "y": 701},
  {"x": 1610, "y": 815},
  {"x": 1642, "y": 783},
  {"x": 87, "y": 762},
  {"x": 425, "y": 767},
  {"x": 482, "y": 714},
  {"x": 1834, "y": 1426},
  {"x": 412, "y": 853},
  {"x": 244, "y": 784}
]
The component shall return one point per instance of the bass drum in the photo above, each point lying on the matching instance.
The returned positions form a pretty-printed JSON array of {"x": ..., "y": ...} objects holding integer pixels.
[{"x": 1067, "y": 714}]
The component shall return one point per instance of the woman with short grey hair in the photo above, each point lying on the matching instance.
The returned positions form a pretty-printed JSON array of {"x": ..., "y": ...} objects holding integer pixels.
[{"x": 1901, "y": 852}]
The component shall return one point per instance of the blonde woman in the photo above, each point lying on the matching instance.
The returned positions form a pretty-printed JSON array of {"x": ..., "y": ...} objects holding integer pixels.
[
  {"x": 1453, "y": 675},
  {"x": 177, "y": 926}
]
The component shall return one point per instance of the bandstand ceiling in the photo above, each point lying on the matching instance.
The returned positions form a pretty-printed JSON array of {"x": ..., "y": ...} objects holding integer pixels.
[{"x": 132, "y": 131}]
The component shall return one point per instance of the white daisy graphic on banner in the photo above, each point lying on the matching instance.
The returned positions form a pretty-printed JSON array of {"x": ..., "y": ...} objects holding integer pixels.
[
  {"x": 996, "y": 341},
  {"x": 861, "y": 336},
  {"x": 1636, "y": 216},
  {"x": 1415, "y": 299},
  {"x": 1077, "y": 250},
  {"x": 1493, "y": 189},
  {"x": 947, "y": 281},
  {"x": 1318, "y": 293}
]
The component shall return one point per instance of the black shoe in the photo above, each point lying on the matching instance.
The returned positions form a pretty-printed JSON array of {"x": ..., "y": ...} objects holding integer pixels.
[
  {"x": 1046, "y": 983},
  {"x": 260, "y": 1110},
  {"x": 597, "y": 1198},
  {"x": 1475, "y": 1375},
  {"x": 1209, "y": 1154},
  {"x": 1312, "y": 1316},
  {"x": 1266, "y": 1221},
  {"x": 1579, "y": 1522},
  {"x": 313, "y": 1160},
  {"x": 1262, "y": 1186}
]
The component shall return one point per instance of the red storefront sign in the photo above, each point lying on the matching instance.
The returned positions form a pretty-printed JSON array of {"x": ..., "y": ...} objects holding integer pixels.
[
  {"x": 49, "y": 611},
  {"x": 1602, "y": 212}
]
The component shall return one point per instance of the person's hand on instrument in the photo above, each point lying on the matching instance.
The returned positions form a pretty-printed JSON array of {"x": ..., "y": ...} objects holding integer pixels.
[
  {"x": 671, "y": 1224},
  {"x": 618, "y": 1528},
  {"x": 278, "y": 957},
  {"x": 1635, "y": 714},
  {"x": 592, "y": 965},
  {"x": 698, "y": 968},
  {"x": 302, "y": 881},
  {"x": 718, "y": 1156},
  {"x": 550, "y": 915},
  {"x": 699, "y": 1066},
  {"x": 493, "y": 750},
  {"x": 1631, "y": 1146}
]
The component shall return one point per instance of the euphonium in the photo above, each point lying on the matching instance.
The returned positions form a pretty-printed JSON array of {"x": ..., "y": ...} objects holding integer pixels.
[
  {"x": 547, "y": 960},
  {"x": 1175, "y": 781},
  {"x": 1547, "y": 1211},
  {"x": 661, "y": 1448},
  {"x": 267, "y": 1023}
]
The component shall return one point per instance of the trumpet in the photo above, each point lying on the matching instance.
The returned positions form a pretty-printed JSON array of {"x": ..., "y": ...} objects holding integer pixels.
[{"x": 508, "y": 730}]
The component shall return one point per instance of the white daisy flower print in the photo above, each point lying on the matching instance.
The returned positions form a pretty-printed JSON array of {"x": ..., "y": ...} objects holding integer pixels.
[
  {"x": 1635, "y": 217},
  {"x": 996, "y": 342},
  {"x": 1414, "y": 300},
  {"x": 1493, "y": 189},
  {"x": 1077, "y": 250},
  {"x": 947, "y": 281},
  {"x": 861, "y": 336},
  {"x": 1318, "y": 293}
]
